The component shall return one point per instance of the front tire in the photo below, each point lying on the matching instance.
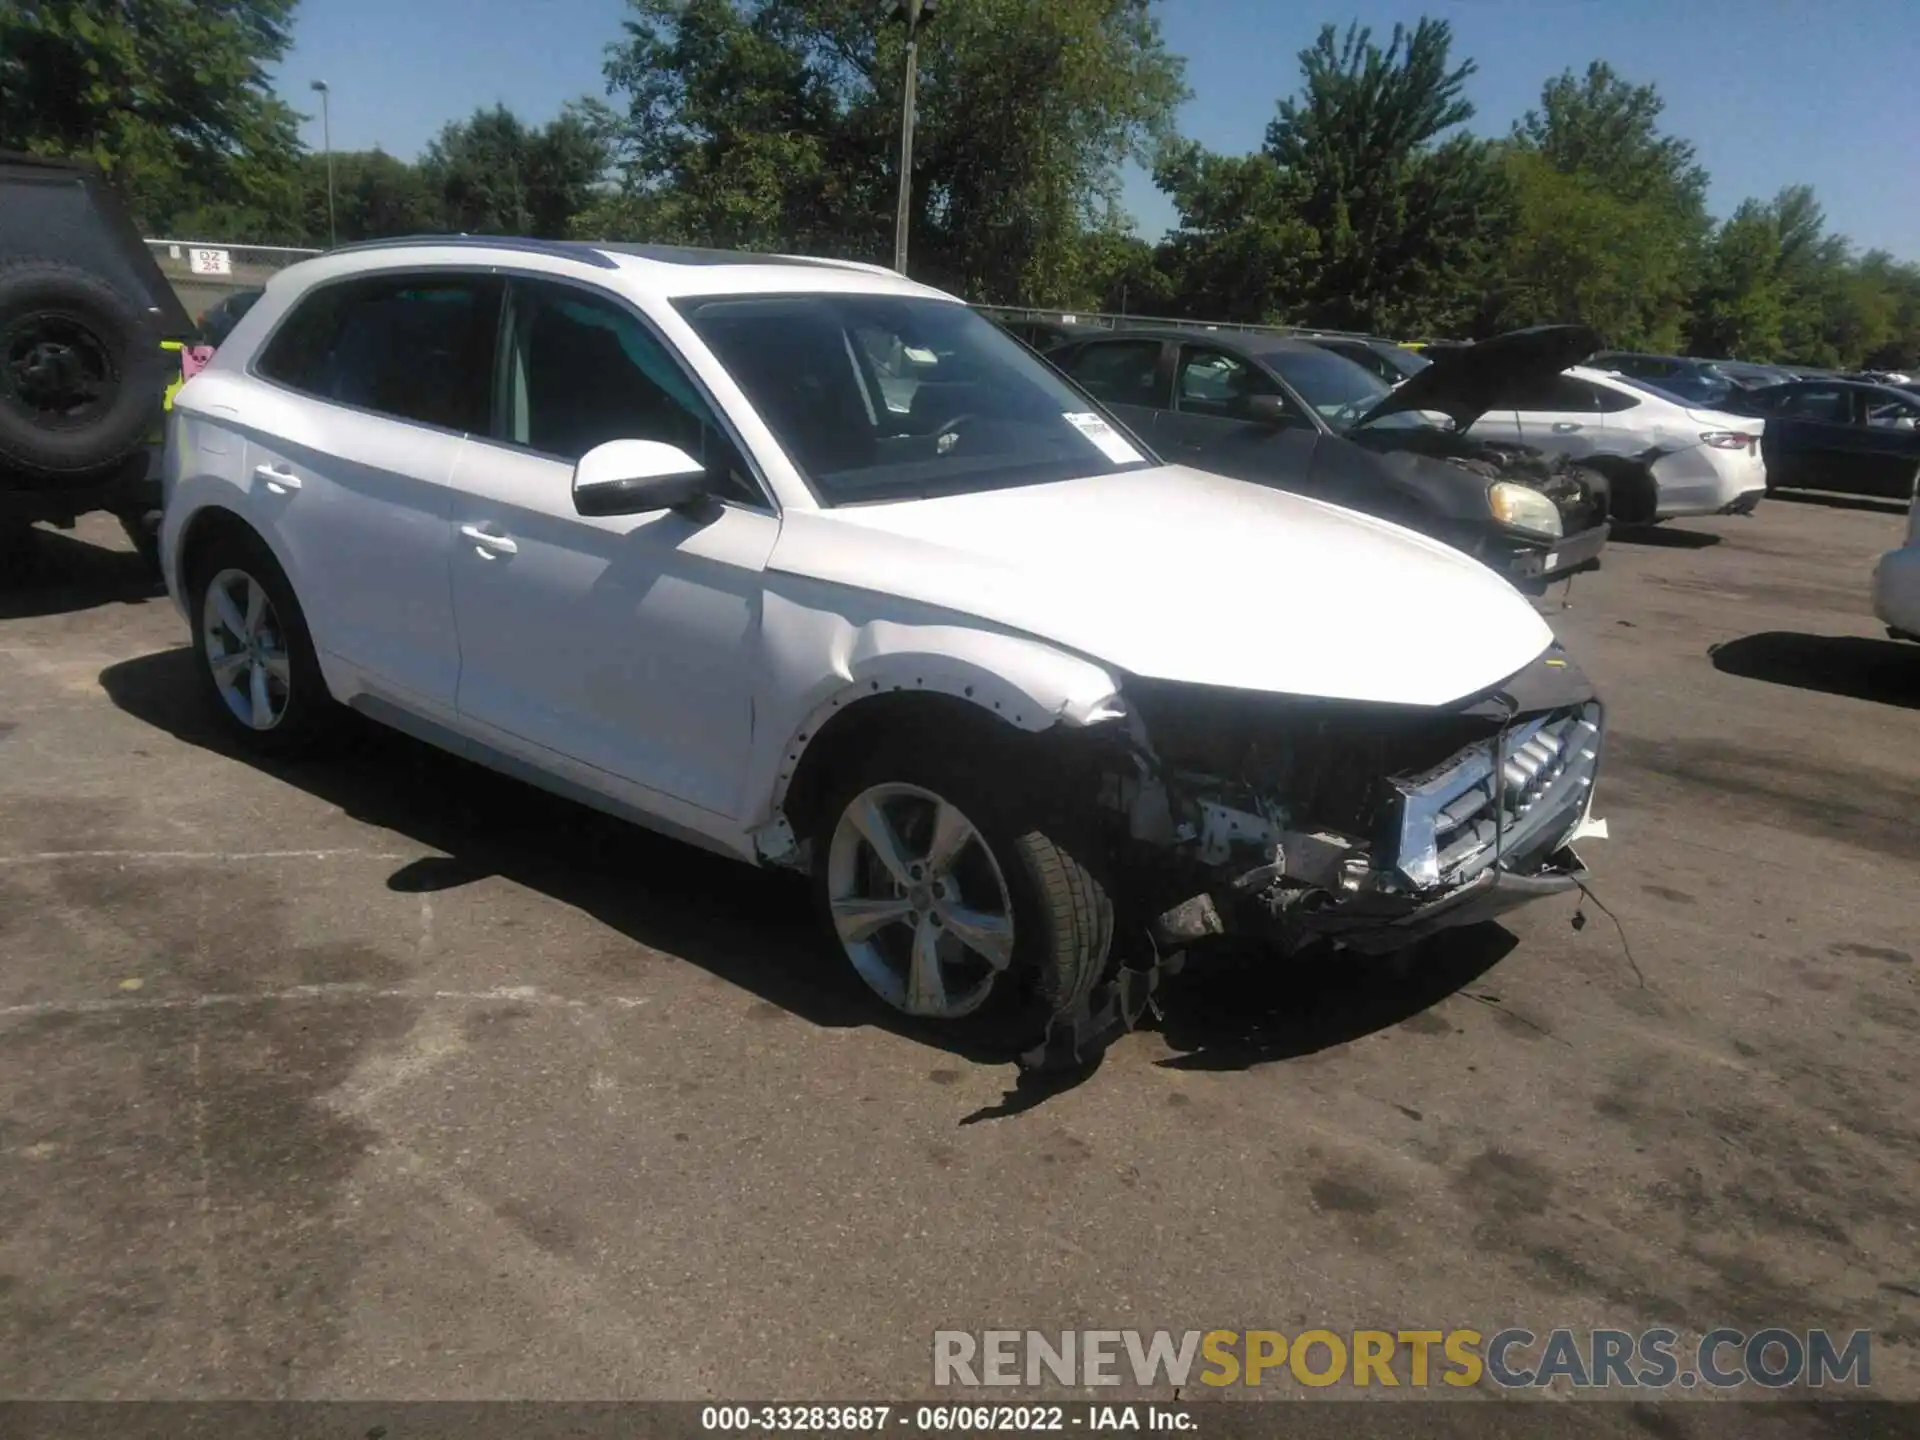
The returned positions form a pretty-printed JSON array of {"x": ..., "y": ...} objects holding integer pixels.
[
  {"x": 957, "y": 901},
  {"x": 257, "y": 666}
]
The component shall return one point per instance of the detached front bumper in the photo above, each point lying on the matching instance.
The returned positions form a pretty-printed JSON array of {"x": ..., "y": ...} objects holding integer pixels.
[{"x": 1489, "y": 895}]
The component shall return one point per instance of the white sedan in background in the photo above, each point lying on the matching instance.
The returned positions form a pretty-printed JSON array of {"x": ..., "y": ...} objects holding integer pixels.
[{"x": 1702, "y": 462}]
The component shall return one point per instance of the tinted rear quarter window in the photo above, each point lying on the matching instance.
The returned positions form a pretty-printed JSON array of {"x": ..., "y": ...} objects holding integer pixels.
[
  {"x": 1559, "y": 394},
  {"x": 413, "y": 347},
  {"x": 1608, "y": 400}
]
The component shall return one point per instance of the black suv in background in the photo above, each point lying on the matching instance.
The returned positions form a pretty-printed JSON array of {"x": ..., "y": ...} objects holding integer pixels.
[{"x": 84, "y": 317}]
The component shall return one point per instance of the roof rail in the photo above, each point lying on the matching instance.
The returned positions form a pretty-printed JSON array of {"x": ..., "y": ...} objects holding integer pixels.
[
  {"x": 560, "y": 249},
  {"x": 864, "y": 265}
]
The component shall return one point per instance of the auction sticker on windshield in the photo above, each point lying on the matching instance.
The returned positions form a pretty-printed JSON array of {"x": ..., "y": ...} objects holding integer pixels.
[{"x": 1110, "y": 441}]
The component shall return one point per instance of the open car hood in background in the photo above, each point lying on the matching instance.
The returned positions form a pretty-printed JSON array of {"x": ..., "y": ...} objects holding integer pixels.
[{"x": 1464, "y": 384}]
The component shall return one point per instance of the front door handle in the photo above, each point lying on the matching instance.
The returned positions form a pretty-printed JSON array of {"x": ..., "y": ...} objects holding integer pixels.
[
  {"x": 1565, "y": 427},
  {"x": 488, "y": 543},
  {"x": 281, "y": 482}
]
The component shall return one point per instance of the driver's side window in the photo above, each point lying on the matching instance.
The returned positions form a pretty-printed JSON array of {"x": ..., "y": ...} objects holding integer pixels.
[
  {"x": 1212, "y": 382},
  {"x": 577, "y": 370}
]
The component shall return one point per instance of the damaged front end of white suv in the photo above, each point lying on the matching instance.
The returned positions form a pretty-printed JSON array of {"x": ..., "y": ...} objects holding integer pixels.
[{"x": 1299, "y": 820}]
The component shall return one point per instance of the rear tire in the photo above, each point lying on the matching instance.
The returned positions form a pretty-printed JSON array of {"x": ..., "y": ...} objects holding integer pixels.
[
  {"x": 1019, "y": 865},
  {"x": 257, "y": 666}
]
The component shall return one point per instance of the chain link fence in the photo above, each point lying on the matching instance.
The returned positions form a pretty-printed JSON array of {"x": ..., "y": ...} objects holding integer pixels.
[{"x": 204, "y": 272}]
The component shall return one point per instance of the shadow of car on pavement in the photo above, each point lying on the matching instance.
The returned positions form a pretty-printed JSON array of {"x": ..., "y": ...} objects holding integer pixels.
[
  {"x": 1884, "y": 671},
  {"x": 1661, "y": 537},
  {"x": 753, "y": 928},
  {"x": 43, "y": 572},
  {"x": 1243, "y": 1007},
  {"x": 1884, "y": 505}
]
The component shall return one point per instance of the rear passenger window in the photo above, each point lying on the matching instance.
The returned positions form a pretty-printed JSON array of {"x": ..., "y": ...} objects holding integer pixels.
[
  {"x": 415, "y": 347},
  {"x": 1556, "y": 393},
  {"x": 1120, "y": 372}
]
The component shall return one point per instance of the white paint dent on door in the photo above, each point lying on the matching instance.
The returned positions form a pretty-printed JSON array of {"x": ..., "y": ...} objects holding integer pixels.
[{"x": 627, "y": 643}]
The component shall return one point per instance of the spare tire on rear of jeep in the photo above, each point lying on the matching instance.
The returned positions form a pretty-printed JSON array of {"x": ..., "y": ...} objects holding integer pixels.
[{"x": 82, "y": 374}]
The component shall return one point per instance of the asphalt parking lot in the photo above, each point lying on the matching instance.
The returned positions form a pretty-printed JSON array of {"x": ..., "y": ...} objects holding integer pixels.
[{"x": 381, "y": 1076}]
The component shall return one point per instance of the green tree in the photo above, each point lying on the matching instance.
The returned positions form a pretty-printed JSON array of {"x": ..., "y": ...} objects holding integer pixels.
[
  {"x": 1409, "y": 218},
  {"x": 494, "y": 175},
  {"x": 1241, "y": 251},
  {"x": 1601, "y": 126},
  {"x": 1580, "y": 253},
  {"x": 376, "y": 195},
  {"x": 775, "y": 124},
  {"x": 1740, "y": 305},
  {"x": 172, "y": 98},
  {"x": 1611, "y": 216},
  {"x": 1776, "y": 284}
]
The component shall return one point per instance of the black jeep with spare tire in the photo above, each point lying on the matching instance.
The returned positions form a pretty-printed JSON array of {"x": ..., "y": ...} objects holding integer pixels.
[{"x": 84, "y": 316}]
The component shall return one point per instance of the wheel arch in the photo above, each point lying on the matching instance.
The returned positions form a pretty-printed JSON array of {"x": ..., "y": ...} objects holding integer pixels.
[
  {"x": 1633, "y": 495},
  {"x": 966, "y": 699},
  {"x": 207, "y": 526}
]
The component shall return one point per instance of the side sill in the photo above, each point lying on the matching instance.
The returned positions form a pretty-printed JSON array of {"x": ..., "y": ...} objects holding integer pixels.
[{"x": 443, "y": 737}]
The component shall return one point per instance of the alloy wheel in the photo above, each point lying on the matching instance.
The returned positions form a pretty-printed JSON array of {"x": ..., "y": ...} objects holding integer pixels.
[
  {"x": 919, "y": 902},
  {"x": 246, "y": 650}
]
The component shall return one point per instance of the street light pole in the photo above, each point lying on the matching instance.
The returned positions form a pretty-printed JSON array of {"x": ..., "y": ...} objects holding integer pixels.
[
  {"x": 911, "y": 13},
  {"x": 326, "y": 144}
]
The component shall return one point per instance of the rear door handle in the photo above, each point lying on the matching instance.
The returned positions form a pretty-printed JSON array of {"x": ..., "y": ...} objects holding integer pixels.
[
  {"x": 1565, "y": 427},
  {"x": 281, "y": 482},
  {"x": 489, "y": 543}
]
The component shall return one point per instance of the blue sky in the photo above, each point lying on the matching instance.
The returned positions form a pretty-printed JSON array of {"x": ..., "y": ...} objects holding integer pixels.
[{"x": 1772, "y": 92}]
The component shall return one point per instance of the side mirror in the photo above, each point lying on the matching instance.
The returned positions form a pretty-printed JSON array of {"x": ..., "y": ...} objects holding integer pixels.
[
  {"x": 633, "y": 477},
  {"x": 1268, "y": 410}
]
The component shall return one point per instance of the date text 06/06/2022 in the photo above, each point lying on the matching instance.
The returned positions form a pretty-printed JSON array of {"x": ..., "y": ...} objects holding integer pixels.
[{"x": 943, "y": 1419}]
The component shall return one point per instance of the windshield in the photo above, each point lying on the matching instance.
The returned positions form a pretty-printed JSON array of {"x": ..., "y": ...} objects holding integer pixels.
[
  {"x": 880, "y": 397},
  {"x": 1332, "y": 384}
]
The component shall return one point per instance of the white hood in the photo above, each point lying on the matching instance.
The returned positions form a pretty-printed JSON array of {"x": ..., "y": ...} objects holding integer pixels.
[{"x": 1175, "y": 574}]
